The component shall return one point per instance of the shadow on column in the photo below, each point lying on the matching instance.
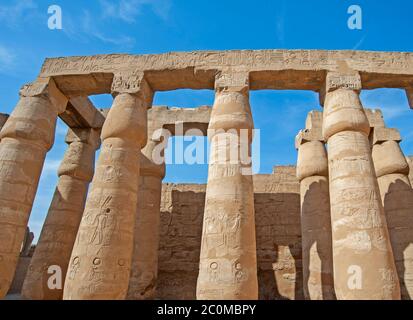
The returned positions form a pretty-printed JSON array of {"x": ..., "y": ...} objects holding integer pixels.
[
  {"x": 316, "y": 209},
  {"x": 398, "y": 205}
]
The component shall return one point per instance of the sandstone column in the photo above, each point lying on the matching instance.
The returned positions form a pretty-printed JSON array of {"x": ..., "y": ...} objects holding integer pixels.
[
  {"x": 101, "y": 258},
  {"x": 144, "y": 270},
  {"x": 312, "y": 172},
  {"x": 62, "y": 222},
  {"x": 25, "y": 139},
  {"x": 363, "y": 259},
  {"x": 228, "y": 264},
  {"x": 396, "y": 191}
]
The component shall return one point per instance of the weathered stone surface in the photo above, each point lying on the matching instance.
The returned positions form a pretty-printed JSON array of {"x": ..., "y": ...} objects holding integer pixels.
[
  {"x": 60, "y": 228},
  {"x": 102, "y": 255},
  {"x": 144, "y": 268},
  {"x": 81, "y": 113},
  {"x": 312, "y": 172},
  {"x": 277, "y": 208},
  {"x": 25, "y": 139},
  {"x": 392, "y": 170},
  {"x": 228, "y": 263},
  {"x": 269, "y": 69},
  {"x": 362, "y": 255}
]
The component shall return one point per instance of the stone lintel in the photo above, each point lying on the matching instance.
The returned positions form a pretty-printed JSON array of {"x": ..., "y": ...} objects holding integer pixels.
[
  {"x": 269, "y": 69},
  {"x": 409, "y": 93},
  {"x": 314, "y": 120},
  {"x": 308, "y": 135},
  {"x": 46, "y": 87},
  {"x": 132, "y": 82},
  {"x": 3, "y": 119},
  {"x": 86, "y": 135},
  {"x": 381, "y": 135},
  {"x": 375, "y": 118},
  {"x": 179, "y": 120},
  {"x": 81, "y": 113},
  {"x": 232, "y": 81}
]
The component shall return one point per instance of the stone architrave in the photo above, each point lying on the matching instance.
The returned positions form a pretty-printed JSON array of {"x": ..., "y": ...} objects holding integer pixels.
[
  {"x": 228, "y": 263},
  {"x": 25, "y": 139},
  {"x": 312, "y": 172},
  {"x": 47, "y": 271},
  {"x": 102, "y": 255},
  {"x": 363, "y": 258}
]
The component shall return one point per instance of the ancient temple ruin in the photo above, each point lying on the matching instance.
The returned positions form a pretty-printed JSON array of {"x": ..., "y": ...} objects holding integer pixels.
[{"x": 338, "y": 225}]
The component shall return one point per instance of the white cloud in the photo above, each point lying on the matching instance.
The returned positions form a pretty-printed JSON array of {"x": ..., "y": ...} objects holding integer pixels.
[
  {"x": 392, "y": 102},
  {"x": 129, "y": 10},
  {"x": 20, "y": 11},
  {"x": 87, "y": 26}
]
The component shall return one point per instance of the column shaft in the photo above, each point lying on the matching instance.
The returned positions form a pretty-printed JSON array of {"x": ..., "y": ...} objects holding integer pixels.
[
  {"x": 362, "y": 255},
  {"x": 228, "y": 263},
  {"x": 396, "y": 191},
  {"x": 25, "y": 139},
  {"x": 144, "y": 270},
  {"x": 312, "y": 171},
  {"x": 62, "y": 222},
  {"x": 101, "y": 259}
]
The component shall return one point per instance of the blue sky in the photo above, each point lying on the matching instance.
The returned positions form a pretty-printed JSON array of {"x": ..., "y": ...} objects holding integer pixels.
[{"x": 156, "y": 26}]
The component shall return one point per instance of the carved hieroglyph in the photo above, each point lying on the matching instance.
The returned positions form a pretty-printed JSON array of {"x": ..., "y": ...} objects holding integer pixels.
[
  {"x": 362, "y": 255},
  {"x": 62, "y": 222},
  {"x": 396, "y": 192},
  {"x": 312, "y": 171},
  {"x": 101, "y": 259},
  {"x": 25, "y": 139},
  {"x": 228, "y": 263}
]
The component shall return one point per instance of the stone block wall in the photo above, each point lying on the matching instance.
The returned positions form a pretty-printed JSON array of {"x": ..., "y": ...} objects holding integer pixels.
[{"x": 277, "y": 214}]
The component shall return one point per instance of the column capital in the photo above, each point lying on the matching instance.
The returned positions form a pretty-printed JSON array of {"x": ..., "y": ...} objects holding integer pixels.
[
  {"x": 132, "y": 82},
  {"x": 335, "y": 80},
  {"x": 308, "y": 135},
  {"x": 45, "y": 87},
  {"x": 314, "y": 120},
  {"x": 232, "y": 81},
  {"x": 89, "y": 136},
  {"x": 381, "y": 135}
]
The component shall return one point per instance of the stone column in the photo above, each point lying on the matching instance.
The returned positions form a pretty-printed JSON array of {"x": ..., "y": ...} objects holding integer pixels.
[
  {"x": 362, "y": 255},
  {"x": 228, "y": 263},
  {"x": 144, "y": 270},
  {"x": 312, "y": 172},
  {"x": 101, "y": 258},
  {"x": 25, "y": 139},
  {"x": 396, "y": 191},
  {"x": 62, "y": 222}
]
